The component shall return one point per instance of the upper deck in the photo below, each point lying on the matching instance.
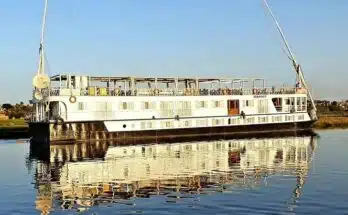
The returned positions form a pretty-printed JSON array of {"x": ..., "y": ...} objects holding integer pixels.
[{"x": 67, "y": 85}]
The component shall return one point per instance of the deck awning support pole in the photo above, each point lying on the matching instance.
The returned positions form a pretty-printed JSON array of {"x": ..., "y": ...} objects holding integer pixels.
[
  {"x": 108, "y": 85},
  {"x": 60, "y": 82},
  {"x": 176, "y": 85},
  {"x": 125, "y": 87},
  {"x": 132, "y": 83}
]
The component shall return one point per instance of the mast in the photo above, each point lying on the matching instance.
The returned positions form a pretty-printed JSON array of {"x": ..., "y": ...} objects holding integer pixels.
[
  {"x": 41, "y": 67},
  {"x": 41, "y": 81},
  {"x": 297, "y": 67}
]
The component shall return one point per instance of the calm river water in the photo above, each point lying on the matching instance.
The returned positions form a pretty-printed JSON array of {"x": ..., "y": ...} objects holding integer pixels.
[{"x": 284, "y": 175}]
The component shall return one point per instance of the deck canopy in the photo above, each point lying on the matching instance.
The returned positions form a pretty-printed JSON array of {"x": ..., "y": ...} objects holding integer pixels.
[
  {"x": 161, "y": 80},
  {"x": 129, "y": 86}
]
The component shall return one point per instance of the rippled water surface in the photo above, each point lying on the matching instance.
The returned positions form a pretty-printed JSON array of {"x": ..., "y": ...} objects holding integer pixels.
[{"x": 284, "y": 175}]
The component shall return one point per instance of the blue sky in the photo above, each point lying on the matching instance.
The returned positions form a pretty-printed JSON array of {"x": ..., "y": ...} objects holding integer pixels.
[{"x": 234, "y": 38}]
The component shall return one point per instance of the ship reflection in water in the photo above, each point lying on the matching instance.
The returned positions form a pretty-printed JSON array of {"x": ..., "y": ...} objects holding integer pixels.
[{"x": 80, "y": 176}]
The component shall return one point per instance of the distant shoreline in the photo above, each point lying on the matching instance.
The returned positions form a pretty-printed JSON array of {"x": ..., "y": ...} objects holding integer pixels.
[
  {"x": 17, "y": 128},
  {"x": 331, "y": 121}
]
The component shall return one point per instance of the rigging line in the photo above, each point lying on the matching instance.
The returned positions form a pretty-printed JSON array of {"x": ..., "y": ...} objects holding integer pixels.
[
  {"x": 285, "y": 51},
  {"x": 47, "y": 66},
  {"x": 296, "y": 66},
  {"x": 279, "y": 30}
]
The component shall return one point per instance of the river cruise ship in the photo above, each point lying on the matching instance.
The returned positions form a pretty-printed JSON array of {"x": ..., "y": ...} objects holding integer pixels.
[{"x": 72, "y": 107}]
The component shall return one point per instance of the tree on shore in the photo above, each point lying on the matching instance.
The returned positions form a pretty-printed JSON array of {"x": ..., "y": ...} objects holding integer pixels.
[
  {"x": 17, "y": 111},
  {"x": 6, "y": 106}
]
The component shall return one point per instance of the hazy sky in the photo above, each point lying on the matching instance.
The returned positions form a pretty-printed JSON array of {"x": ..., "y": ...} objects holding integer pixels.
[{"x": 234, "y": 38}]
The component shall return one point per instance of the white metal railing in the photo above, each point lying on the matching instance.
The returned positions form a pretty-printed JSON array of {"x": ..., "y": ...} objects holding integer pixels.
[{"x": 105, "y": 91}]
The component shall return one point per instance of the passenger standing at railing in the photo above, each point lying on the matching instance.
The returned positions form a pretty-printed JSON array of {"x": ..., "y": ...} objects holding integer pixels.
[{"x": 297, "y": 85}]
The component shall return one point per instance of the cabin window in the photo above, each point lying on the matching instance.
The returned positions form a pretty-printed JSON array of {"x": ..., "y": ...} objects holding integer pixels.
[
  {"x": 304, "y": 102},
  {"x": 201, "y": 104},
  {"x": 218, "y": 104},
  {"x": 301, "y": 103},
  {"x": 263, "y": 119},
  {"x": 187, "y": 123},
  {"x": 183, "y": 108},
  {"x": 146, "y": 105},
  {"x": 235, "y": 121},
  {"x": 300, "y": 117},
  {"x": 248, "y": 103},
  {"x": 167, "y": 124},
  {"x": 201, "y": 122},
  {"x": 277, "y": 102},
  {"x": 145, "y": 125},
  {"x": 149, "y": 124},
  {"x": 186, "y": 105},
  {"x": 289, "y": 118},
  {"x": 276, "y": 118},
  {"x": 250, "y": 120},
  {"x": 262, "y": 106},
  {"x": 126, "y": 105},
  {"x": 167, "y": 109},
  {"x": 81, "y": 106},
  {"x": 217, "y": 122}
]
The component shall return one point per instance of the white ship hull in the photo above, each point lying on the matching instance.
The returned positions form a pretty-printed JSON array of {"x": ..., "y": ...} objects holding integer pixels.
[{"x": 101, "y": 118}]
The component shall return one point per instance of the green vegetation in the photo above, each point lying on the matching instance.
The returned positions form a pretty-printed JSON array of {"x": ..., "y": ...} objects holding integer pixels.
[
  {"x": 13, "y": 128},
  {"x": 17, "y": 111},
  {"x": 332, "y": 122},
  {"x": 13, "y": 123},
  {"x": 332, "y": 114}
]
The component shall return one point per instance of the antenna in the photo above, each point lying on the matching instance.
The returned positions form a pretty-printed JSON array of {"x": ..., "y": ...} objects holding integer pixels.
[{"x": 296, "y": 66}]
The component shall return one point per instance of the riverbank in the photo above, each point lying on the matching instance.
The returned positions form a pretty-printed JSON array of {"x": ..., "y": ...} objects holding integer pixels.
[
  {"x": 332, "y": 122},
  {"x": 13, "y": 128}
]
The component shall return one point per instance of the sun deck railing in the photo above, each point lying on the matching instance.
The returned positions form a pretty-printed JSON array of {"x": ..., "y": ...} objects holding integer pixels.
[{"x": 104, "y": 91}]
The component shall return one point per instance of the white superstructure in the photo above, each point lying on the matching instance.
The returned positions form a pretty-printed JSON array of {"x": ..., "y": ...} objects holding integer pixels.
[{"x": 125, "y": 104}]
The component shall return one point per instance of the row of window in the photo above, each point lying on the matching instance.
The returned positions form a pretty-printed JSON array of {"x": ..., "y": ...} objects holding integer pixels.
[
  {"x": 146, "y": 105},
  {"x": 217, "y": 122},
  {"x": 262, "y": 105}
]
